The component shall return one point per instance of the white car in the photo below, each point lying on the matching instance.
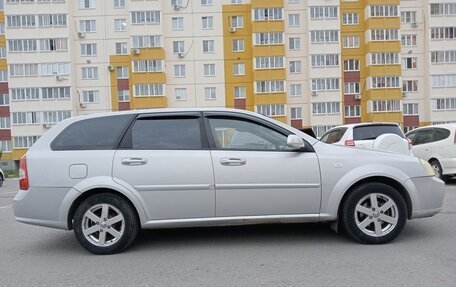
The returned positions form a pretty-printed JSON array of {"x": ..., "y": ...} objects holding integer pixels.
[
  {"x": 437, "y": 145},
  {"x": 364, "y": 136}
]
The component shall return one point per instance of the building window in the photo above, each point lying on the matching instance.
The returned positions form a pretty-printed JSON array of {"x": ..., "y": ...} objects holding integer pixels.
[
  {"x": 144, "y": 66},
  {"x": 324, "y": 36},
  {"x": 23, "y": 45},
  {"x": 52, "y": 69},
  {"x": 324, "y": 12},
  {"x": 3, "y": 76},
  {"x": 410, "y": 86},
  {"x": 294, "y": 43},
  {"x": 389, "y": 58},
  {"x": 295, "y": 67},
  {"x": 89, "y": 73},
  {"x": 55, "y": 116},
  {"x": 384, "y": 35},
  {"x": 178, "y": 47},
  {"x": 238, "y": 45},
  {"x": 52, "y": 20},
  {"x": 408, "y": 40},
  {"x": 146, "y": 41},
  {"x": 295, "y": 90},
  {"x": 4, "y": 99},
  {"x": 262, "y": 87},
  {"x": 120, "y": 25},
  {"x": 271, "y": 38},
  {"x": 352, "y": 111},
  {"x": 271, "y": 62},
  {"x": 326, "y": 108},
  {"x": 441, "y": 33},
  {"x": 237, "y": 22},
  {"x": 352, "y": 88},
  {"x": 122, "y": 73},
  {"x": 119, "y": 3},
  {"x": 296, "y": 113},
  {"x": 408, "y": 17},
  {"x": 23, "y": 70},
  {"x": 180, "y": 94},
  {"x": 207, "y": 22},
  {"x": 350, "y": 19},
  {"x": 351, "y": 42},
  {"x": 386, "y": 106},
  {"x": 148, "y": 90},
  {"x": 24, "y": 141},
  {"x": 88, "y": 49},
  {"x": 53, "y": 44},
  {"x": 443, "y": 9},
  {"x": 321, "y": 130},
  {"x": 410, "y": 109},
  {"x": 89, "y": 97},
  {"x": 25, "y": 94},
  {"x": 210, "y": 94},
  {"x": 293, "y": 20},
  {"x": 6, "y": 146},
  {"x": 385, "y": 82},
  {"x": 26, "y": 118},
  {"x": 86, "y": 4},
  {"x": 239, "y": 92},
  {"x": 56, "y": 93},
  {"x": 177, "y": 23},
  {"x": 384, "y": 11},
  {"x": 208, "y": 46},
  {"x": 145, "y": 17},
  {"x": 123, "y": 96},
  {"x": 443, "y": 57},
  {"x": 5, "y": 123},
  {"x": 271, "y": 110},
  {"x": 325, "y": 60},
  {"x": 443, "y": 81},
  {"x": 121, "y": 48},
  {"x": 326, "y": 84},
  {"x": 207, "y": 2},
  {"x": 179, "y": 71},
  {"x": 209, "y": 70},
  {"x": 351, "y": 65},
  {"x": 267, "y": 14},
  {"x": 409, "y": 63},
  {"x": 444, "y": 104},
  {"x": 239, "y": 69},
  {"x": 18, "y": 21},
  {"x": 88, "y": 26}
]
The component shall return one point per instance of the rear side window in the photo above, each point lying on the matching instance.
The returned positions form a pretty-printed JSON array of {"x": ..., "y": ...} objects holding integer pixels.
[
  {"x": 441, "y": 134},
  {"x": 92, "y": 134},
  {"x": 333, "y": 136},
  {"x": 423, "y": 137},
  {"x": 371, "y": 132},
  {"x": 166, "y": 133}
]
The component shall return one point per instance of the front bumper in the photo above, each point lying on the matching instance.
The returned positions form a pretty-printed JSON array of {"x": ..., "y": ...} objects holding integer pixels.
[{"x": 427, "y": 196}]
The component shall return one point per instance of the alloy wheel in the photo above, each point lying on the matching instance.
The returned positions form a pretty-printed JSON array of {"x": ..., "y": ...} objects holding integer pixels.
[{"x": 103, "y": 225}]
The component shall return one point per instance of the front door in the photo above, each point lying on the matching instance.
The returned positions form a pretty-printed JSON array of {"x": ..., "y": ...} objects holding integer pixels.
[
  {"x": 166, "y": 160},
  {"x": 255, "y": 172}
]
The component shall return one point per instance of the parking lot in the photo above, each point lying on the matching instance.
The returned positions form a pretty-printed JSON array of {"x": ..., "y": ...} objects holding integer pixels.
[{"x": 267, "y": 255}]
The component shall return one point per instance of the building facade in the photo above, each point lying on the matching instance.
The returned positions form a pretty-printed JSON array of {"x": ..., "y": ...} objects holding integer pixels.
[{"x": 314, "y": 63}]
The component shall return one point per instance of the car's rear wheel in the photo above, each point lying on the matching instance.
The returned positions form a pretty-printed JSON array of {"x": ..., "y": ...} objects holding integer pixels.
[
  {"x": 105, "y": 224},
  {"x": 438, "y": 170},
  {"x": 373, "y": 213}
]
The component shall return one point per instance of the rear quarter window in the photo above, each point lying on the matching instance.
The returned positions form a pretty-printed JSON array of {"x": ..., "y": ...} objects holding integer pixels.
[
  {"x": 441, "y": 134},
  {"x": 92, "y": 134},
  {"x": 333, "y": 136},
  {"x": 371, "y": 132}
]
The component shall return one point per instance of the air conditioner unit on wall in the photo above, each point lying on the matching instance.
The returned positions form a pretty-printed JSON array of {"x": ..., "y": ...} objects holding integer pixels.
[
  {"x": 81, "y": 35},
  {"x": 176, "y": 7},
  {"x": 404, "y": 94},
  {"x": 232, "y": 30},
  {"x": 180, "y": 55},
  {"x": 135, "y": 51},
  {"x": 110, "y": 67},
  {"x": 358, "y": 97},
  {"x": 414, "y": 24}
]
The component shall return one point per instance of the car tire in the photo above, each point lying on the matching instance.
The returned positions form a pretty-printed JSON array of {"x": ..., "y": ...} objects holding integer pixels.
[
  {"x": 105, "y": 223},
  {"x": 438, "y": 170},
  {"x": 373, "y": 213}
]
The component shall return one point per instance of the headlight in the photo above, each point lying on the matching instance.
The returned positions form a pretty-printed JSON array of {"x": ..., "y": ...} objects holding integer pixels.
[{"x": 427, "y": 168}]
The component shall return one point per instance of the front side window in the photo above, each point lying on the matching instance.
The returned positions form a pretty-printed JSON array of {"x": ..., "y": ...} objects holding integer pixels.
[
  {"x": 238, "y": 134},
  {"x": 166, "y": 133}
]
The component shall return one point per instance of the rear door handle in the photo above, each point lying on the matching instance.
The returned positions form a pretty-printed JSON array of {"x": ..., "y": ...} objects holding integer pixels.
[
  {"x": 233, "y": 161},
  {"x": 134, "y": 161}
]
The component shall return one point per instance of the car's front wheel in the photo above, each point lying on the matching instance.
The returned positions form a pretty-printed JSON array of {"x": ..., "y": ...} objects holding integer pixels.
[
  {"x": 373, "y": 213},
  {"x": 105, "y": 224}
]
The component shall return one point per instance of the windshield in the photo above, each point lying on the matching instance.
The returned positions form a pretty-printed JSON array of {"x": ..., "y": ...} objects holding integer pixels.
[{"x": 371, "y": 132}]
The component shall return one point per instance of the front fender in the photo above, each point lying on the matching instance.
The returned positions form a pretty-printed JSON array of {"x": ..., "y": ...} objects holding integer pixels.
[{"x": 332, "y": 194}]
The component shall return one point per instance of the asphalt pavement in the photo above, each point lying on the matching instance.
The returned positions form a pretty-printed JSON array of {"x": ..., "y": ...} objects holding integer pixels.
[{"x": 266, "y": 255}]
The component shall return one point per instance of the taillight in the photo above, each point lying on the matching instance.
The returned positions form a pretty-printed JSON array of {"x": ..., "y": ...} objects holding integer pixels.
[
  {"x": 349, "y": 143},
  {"x": 410, "y": 143},
  {"x": 23, "y": 174}
]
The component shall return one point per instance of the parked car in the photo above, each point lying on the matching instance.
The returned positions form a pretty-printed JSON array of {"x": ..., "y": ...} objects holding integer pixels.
[
  {"x": 363, "y": 135},
  {"x": 437, "y": 145},
  {"x": 2, "y": 177},
  {"x": 108, "y": 175}
]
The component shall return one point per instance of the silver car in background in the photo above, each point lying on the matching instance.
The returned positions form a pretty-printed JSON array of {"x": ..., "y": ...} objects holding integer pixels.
[{"x": 107, "y": 175}]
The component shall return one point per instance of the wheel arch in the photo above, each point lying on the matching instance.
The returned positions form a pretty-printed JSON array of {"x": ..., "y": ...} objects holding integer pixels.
[{"x": 385, "y": 180}]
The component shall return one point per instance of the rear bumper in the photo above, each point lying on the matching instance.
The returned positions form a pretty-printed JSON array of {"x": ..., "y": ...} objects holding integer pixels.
[{"x": 427, "y": 196}]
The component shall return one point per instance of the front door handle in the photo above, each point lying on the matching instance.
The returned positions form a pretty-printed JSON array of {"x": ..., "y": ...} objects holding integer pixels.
[
  {"x": 233, "y": 161},
  {"x": 134, "y": 161}
]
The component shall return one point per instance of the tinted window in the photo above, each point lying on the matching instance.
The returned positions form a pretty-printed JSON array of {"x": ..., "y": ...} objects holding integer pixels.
[
  {"x": 441, "y": 134},
  {"x": 411, "y": 136},
  {"x": 423, "y": 137},
  {"x": 245, "y": 135},
  {"x": 371, "y": 132},
  {"x": 166, "y": 133},
  {"x": 92, "y": 134},
  {"x": 333, "y": 136}
]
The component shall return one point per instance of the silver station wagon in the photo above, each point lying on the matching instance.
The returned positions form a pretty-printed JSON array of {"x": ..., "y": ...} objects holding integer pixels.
[{"x": 106, "y": 176}]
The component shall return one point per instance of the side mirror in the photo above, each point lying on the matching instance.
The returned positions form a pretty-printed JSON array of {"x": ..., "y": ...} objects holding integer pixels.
[{"x": 295, "y": 143}]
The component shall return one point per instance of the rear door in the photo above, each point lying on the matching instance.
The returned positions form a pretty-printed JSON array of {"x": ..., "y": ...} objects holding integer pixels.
[
  {"x": 255, "y": 173},
  {"x": 165, "y": 158}
]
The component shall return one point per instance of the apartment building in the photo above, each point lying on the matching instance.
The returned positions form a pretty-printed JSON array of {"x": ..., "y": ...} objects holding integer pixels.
[{"x": 313, "y": 63}]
